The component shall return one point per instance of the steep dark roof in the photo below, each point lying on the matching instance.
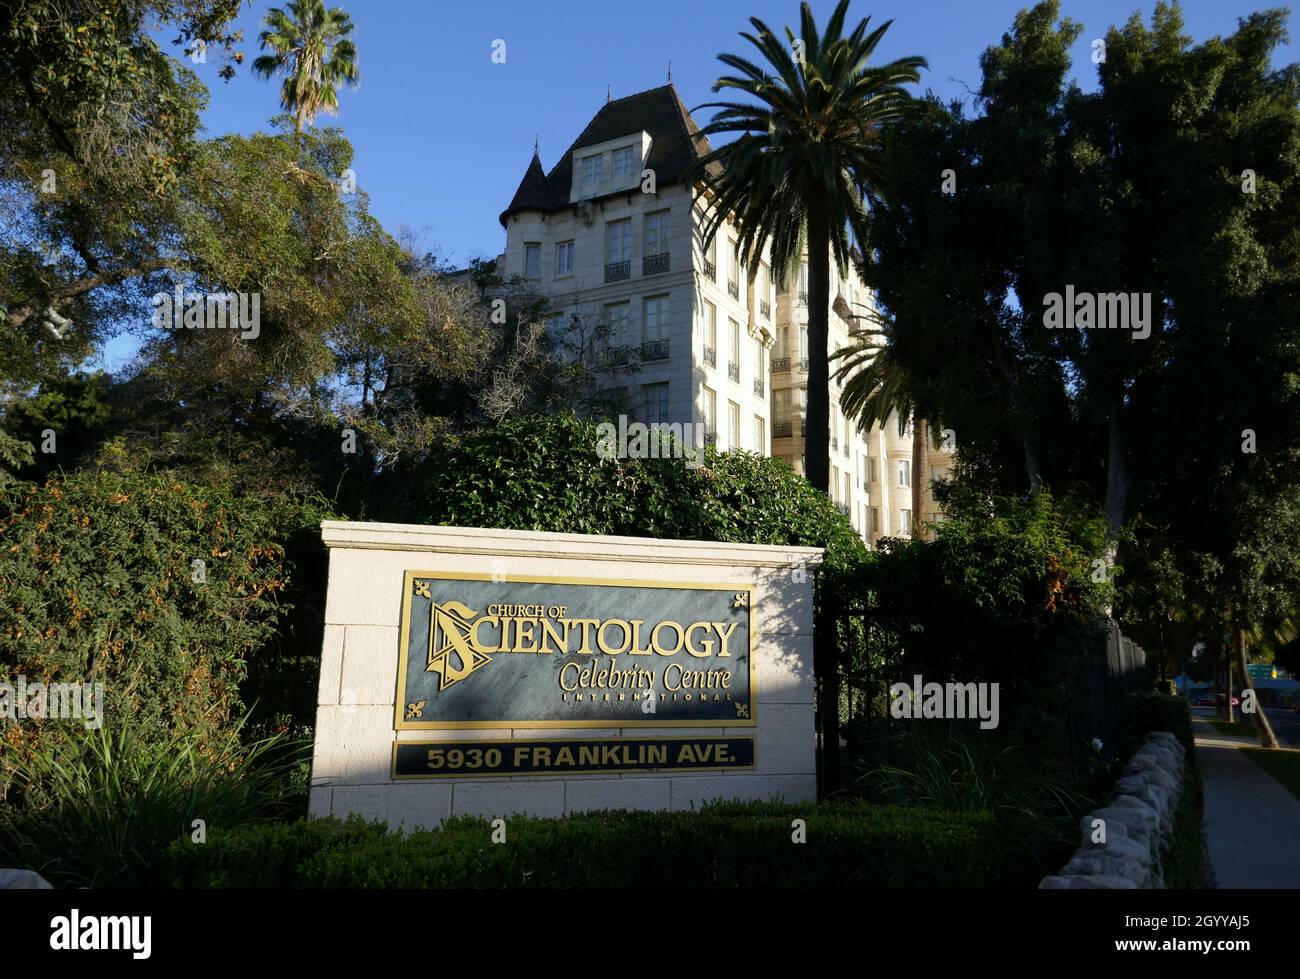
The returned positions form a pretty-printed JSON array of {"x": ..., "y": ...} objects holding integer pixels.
[
  {"x": 675, "y": 144},
  {"x": 532, "y": 189}
]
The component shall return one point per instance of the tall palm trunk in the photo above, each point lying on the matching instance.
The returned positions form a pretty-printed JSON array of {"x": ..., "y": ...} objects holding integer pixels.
[
  {"x": 920, "y": 473},
  {"x": 1267, "y": 738},
  {"x": 817, "y": 439}
]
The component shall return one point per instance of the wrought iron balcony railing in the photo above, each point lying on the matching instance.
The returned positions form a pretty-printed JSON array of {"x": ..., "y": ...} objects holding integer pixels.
[
  {"x": 765, "y": 310},
  {"x": 710, "y": 356},
  {"x": 710, "y": 271},
  {"x": 782, "y": 430},
  {"x": 617, "y": 271},
  {"x": 615, "y": 356},
  {"x": 655, "y": 349},
  {"x": 803, "y": 299},
  {"x": 758, "y": 386},
  {"x": 733, "y": 289},
  {"x": 782, "y": 365},
  {"x": 733, "y": 372},
  {"x": 654, "y": 264}
]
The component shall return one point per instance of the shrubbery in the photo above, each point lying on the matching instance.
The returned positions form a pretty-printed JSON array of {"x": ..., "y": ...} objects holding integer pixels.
[
  {"x": 726, "y": 845},
  {"x": 544, "y": 473},
  {"x": 99, "y": 584}
]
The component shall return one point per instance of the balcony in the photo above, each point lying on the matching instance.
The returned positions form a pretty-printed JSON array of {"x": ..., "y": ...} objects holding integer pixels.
[
  {"x": 835, "y": 444},
  {"x": 733, "y": 372},
  {"x": 802, "y": 299},
  {"x": 618, "y": 271},
  {"x": 710, "y": 357},
  {"x": 710, "y": 271},
  {"x": 782, "y": 430},
  {"x": 765, "y": 310},
  {"x": 615, "y": 356},
  {"x": 655, "y": 349},
  {"x": 733, "y": 290},
  {"x": 781, "y": 365},
  {"x": 758, "y": 387},
  {"x": 654, "y": 264}
]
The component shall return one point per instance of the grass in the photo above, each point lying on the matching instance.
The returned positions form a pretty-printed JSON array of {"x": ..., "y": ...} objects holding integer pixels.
[
  {"x": 1236, "y": 728},
  {"x": 1281, "y": 764}
]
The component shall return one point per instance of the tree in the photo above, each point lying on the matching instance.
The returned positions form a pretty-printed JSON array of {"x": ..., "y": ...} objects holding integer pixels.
[
  {"x": 311, "y": 47},
  {"x": 797, "y": 173}
]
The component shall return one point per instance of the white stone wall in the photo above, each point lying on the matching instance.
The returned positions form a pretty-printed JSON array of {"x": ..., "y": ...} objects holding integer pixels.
[{"x": 358, "y": 681}]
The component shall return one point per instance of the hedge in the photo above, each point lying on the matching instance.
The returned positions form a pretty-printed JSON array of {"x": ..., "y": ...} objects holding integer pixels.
[
  {"x": 724, "y": 845},
  {"x": 99, "y": 583},
  {"x": 546, "y": 473}
]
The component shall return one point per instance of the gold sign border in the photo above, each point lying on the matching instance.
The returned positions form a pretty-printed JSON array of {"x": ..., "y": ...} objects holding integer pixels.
[
  {"x": 399, "y": 705},
  {"x": 392, "y": 768}
]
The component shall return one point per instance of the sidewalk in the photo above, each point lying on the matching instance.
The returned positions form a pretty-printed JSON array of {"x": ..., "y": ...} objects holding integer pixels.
[{"x": 1252, "y": 823}]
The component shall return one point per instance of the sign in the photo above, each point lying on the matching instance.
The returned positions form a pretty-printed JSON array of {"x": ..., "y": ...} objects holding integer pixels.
[
  {"x": 475, "y": 759},
  {"x": 572, "y": 653}
]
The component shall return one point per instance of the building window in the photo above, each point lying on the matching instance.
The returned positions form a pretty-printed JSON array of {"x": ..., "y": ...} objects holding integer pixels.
[
  {"x": 871, "y": 470},
  {"x": 904, "y": 472},
  {"x": 618, "y": 236},
  {"x": 593, "y": 169},
  {"x": 710, "y": 416},
  {"x": 847, "y": 489},
  {"x": 875, "y": 520},
  {"x": 711, "y": 259},
  {"x": 835, "y": 484},
  {"x": 564, "y": 258},
  {"x": 803, "y": 342},
  {"x": 733, "y": 425},
  {"x": 623, "y": 162},
  {"x": 654, "y": 323},
  {"x": 733, "y": 354},
  {"x": 532, "y": 259},
  {"x": 654, "y": 398},
  {"x": 710, "y": 334},
  {"x": 656, "y": 233},
  {"x": 616, "y": 317},
  {"x": 905, "y": 522},
  {"x": 760, "y": 430}
]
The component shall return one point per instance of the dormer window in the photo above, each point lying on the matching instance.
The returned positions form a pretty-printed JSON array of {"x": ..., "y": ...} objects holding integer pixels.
[
  {"x": 593, "y": 169},
  {"x": 623, "y": 162}
]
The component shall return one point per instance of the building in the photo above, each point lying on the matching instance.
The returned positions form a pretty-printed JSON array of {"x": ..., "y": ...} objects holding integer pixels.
[{"x": 611, "y": 234}]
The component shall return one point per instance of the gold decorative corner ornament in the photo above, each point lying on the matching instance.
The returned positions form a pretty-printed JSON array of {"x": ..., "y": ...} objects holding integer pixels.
[
  {"x": 742, "y": 710},
  {"x": 416, "y": 709},
  {"x": 422, "y": 589},
  {"x": 741, "y": 600}
]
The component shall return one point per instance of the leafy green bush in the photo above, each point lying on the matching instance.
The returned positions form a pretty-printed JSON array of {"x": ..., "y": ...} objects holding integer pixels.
[
  {"x": 101, "y": 810},
  {"x": 545, "y": 473},
  {"x": 937, "y": 765},
  {"x": 727, "y": 845},
  {"x": 99, "y": 583},
  {"x": 1003, "y": 594},
  {"x": 1147, "y": 712}
]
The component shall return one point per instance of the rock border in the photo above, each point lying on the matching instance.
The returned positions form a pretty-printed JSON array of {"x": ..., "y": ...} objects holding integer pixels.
[{"x": 1132, "y": 826}]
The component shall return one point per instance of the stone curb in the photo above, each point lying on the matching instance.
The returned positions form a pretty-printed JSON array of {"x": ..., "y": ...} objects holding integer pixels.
[{"x": 1133, "y": 825}]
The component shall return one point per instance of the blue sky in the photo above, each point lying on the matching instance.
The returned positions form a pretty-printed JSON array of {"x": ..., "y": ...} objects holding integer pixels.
[{"x": 443, "y": 135}]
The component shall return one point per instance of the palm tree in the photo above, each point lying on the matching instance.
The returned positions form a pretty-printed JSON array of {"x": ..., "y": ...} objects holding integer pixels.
[
  {"x": 798, "y": 172},
  {"x": 310, "y": 45},
  {"x": 874, "y": 387}
]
